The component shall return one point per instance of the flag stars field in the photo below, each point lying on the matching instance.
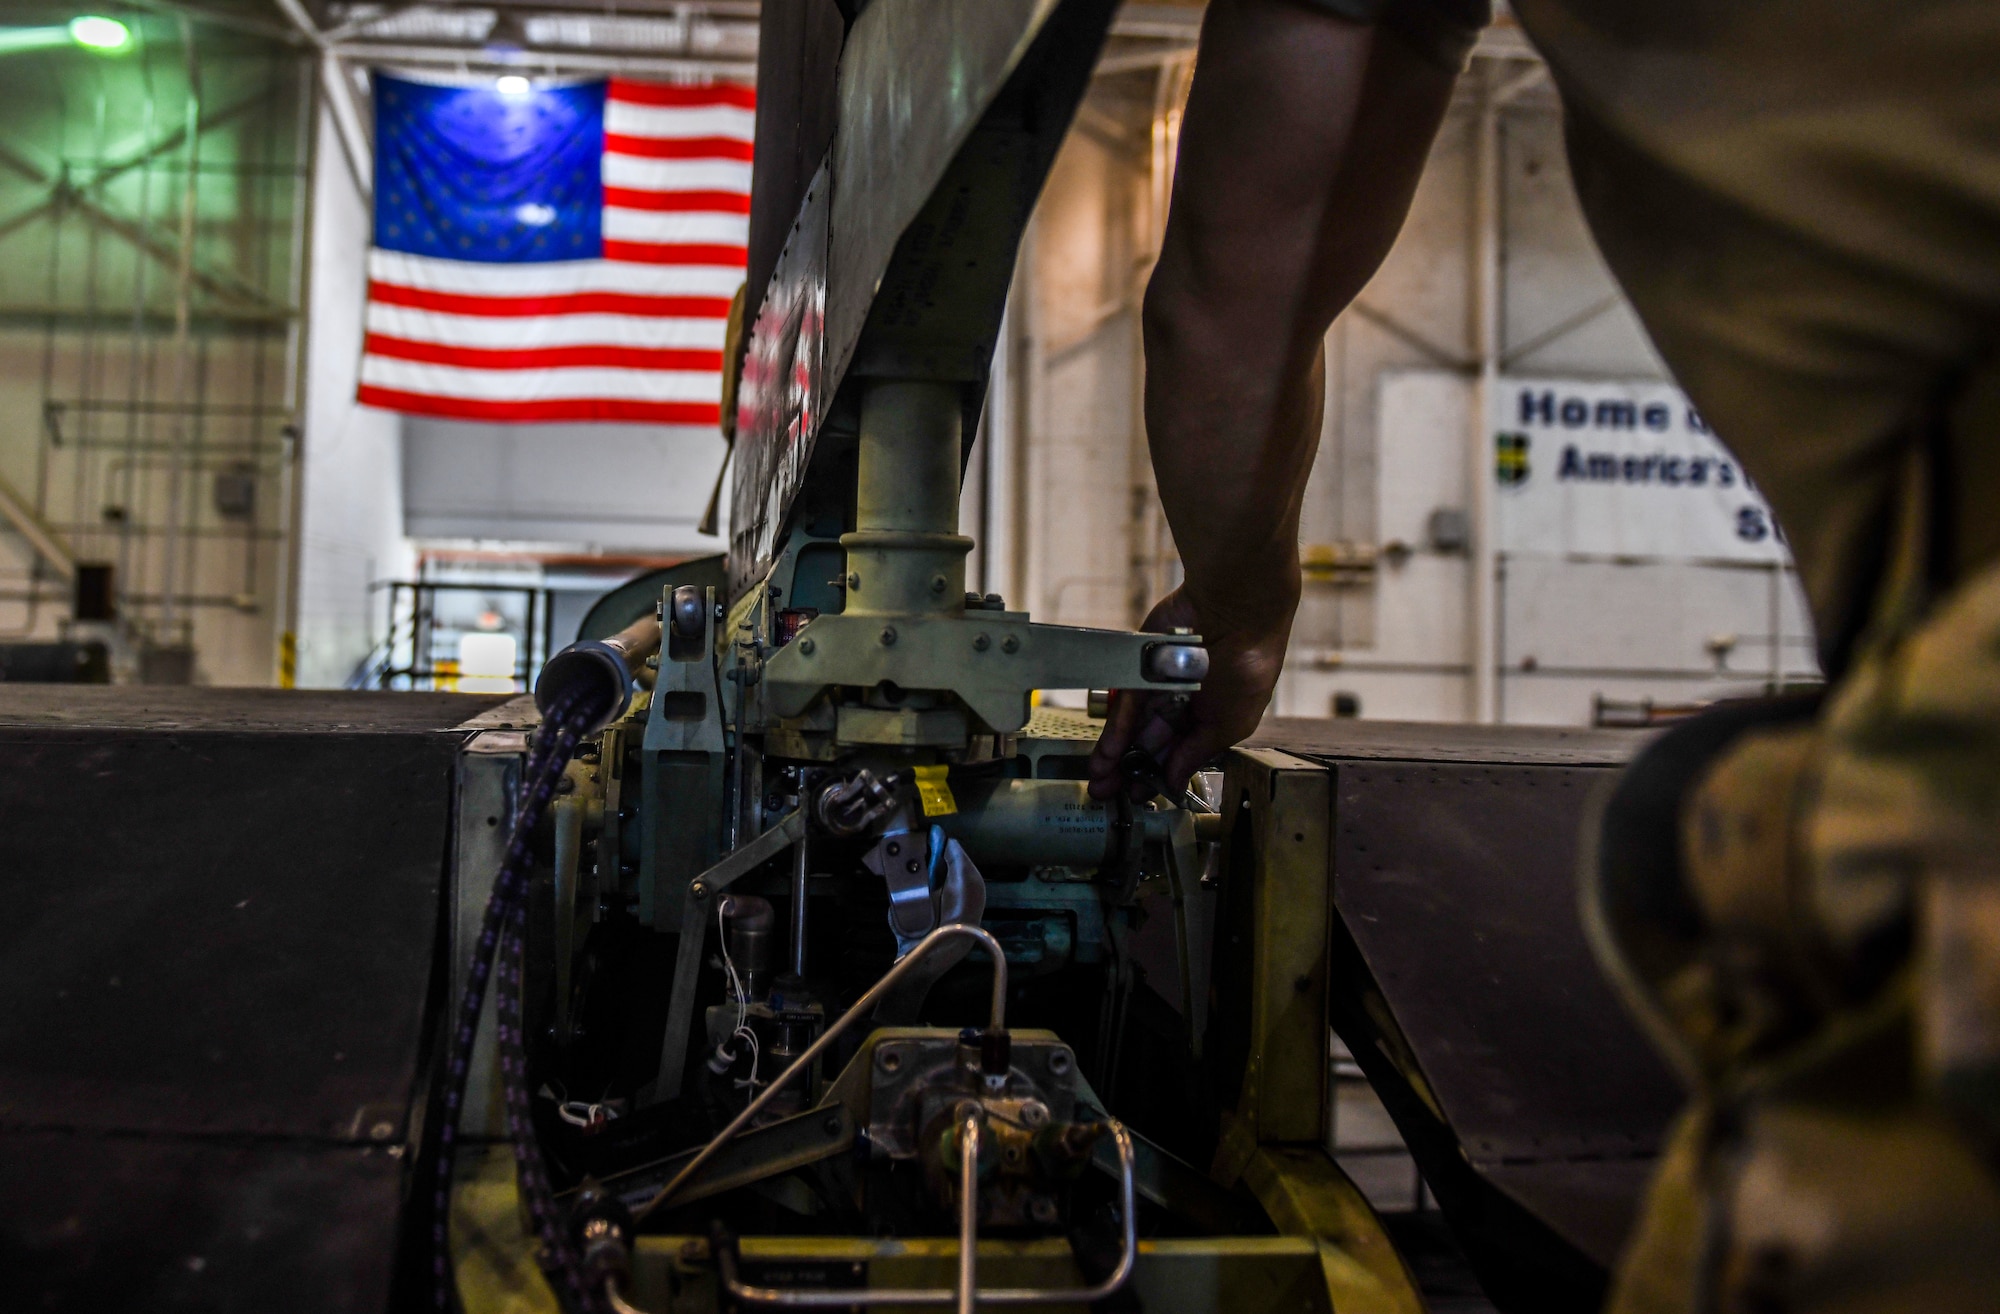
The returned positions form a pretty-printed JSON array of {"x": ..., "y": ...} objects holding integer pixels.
[{"x": 580, "y": 264}]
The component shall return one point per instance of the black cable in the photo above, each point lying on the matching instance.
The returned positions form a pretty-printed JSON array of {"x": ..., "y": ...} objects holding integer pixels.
[{"x": 504, "y": 925}]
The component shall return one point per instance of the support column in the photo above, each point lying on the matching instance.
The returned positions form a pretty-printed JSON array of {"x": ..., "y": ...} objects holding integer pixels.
[
  {"x": 906, "y": 556},
  {"x": 1484, "y": 659}
]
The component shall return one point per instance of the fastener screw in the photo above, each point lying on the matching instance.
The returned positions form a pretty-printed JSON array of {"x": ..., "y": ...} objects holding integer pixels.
[
  {"x": 806, "y": 646},
  {"x": 853, "y": 580},
  {"x": 699, "y": 889},
  {"x": 888, "y": 636},
  {"x": 1010, "y": 644},
  {"x": 980, "y": 643},
  {"x": 937, "y": 583}
]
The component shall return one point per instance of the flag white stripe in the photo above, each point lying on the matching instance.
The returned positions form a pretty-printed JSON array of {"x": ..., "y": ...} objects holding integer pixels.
[
  {"x": 624, "y": 119},
  {"x": 526, "y": 332},
  {"x": 646, "y": 175},
  {"x": 564, "y": 384},
  {"x": 676, "y": 226},
  {"x": 551, "y": 278},
  {"x": 474, "y": 385}
]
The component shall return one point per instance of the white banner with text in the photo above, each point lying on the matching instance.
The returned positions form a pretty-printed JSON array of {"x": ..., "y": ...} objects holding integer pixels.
[{"x": 1620, "y": 470}]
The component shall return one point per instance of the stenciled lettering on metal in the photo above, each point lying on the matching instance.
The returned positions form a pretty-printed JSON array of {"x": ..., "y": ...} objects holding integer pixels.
[{"x": 783, "y": 395}]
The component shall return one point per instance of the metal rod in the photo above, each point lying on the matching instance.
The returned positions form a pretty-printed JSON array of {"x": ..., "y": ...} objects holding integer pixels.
[
  {"x": 553, "y": 62},
  {"x": 848, "y": 1298},
  {"x": 804, "y": 1062},
  {"x": 1488, "y": 330},
  {"x": 800, "y": 865},
  {"x": 968, "y": 1213}
]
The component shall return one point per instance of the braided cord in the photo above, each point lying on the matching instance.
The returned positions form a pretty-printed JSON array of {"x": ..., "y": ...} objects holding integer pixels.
[{"x": 502, "y": 932}]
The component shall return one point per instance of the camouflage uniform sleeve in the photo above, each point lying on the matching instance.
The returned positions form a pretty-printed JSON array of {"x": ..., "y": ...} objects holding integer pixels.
[{"x": 1904, "y": 840}]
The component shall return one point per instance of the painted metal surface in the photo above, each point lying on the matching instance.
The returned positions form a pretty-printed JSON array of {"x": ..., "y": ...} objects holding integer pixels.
[
  {"x": 916, "y": 76},
  {"x": 783, "y": 395},
  {"x": 1269, "y": 1023},
  {"x": 950, "y": 112},
  {"x": 221, "y": 915},
  {"x": 1458, "y": 886}
]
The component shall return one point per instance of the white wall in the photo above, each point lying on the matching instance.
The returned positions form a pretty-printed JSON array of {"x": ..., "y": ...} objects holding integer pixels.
[
  {"x": 607, "y": 487},
  {"x": 1567, "y": 631},
  {"x": 351, "y": 512}
]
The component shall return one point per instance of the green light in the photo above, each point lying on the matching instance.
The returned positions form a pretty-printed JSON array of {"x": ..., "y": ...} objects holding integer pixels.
[{"x": 95, "y": 33}]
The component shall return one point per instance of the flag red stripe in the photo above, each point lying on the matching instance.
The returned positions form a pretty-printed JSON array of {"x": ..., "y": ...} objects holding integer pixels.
[
  {"x": 676, "y": 253},
  {"x": 677, "y": 148},
  {"x": 571, "y": 303},
  {"x": 631, "y": 198},
  {"x": 558, "y": 408},
  {"x": 658, "y": 93},
  {"x": 535, "y": 358},
  {"x": 418, "y": 366}
]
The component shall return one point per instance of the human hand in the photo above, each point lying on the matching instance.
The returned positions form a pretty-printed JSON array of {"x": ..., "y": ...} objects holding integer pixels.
[{"x": 1243, "y": 669}]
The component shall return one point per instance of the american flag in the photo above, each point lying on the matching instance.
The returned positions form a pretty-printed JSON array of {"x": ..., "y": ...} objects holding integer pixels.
[{"x": 556, "y": 252}]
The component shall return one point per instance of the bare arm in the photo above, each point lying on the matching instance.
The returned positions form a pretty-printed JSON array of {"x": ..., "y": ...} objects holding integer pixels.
[{"x": 1304, "y": 138}]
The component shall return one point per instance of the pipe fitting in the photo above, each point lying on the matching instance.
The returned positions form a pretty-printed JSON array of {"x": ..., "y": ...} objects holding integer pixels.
[{"x": 597, "y": 673}]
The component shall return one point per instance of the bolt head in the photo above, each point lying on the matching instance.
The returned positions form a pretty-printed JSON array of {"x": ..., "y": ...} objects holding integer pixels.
[
  {"x": 913, "y": 866},
  {"x": 853, "y": 580},
  {"x": 699, "y": 889},
  {"x": 1059, "y": 1061},
  {"x": 980, "y": 643},
  {"x": 889, "y": 1060},
  {"x": 938, "y": 583},
  {"x": 1010, "y": 644},
  {"x": 888, "y": 636},
  {"x": 806, "y": 646}
]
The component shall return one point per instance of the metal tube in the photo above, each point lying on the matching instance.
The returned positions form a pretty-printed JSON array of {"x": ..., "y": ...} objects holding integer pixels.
[
  {"x": 908, "y": 459},
  {"x": 968, "y": 1213},
  {"x": 604, "y": 666},
  {"x": 800, "y": 865},
  {"x": 905, "y": 555},
  {"x": 1037, "y": 823},
  {"x": 847, "y": 1298},
  {"x": 183, "y": 344},
  {"x": 804, "y": 1062}
]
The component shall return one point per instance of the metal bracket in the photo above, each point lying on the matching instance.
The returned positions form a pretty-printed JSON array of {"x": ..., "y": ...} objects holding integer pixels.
[
  {"x": 696, "y": 910},
  {"x": 778, "y": 1147},
  {"x": 992, "y": 660}
]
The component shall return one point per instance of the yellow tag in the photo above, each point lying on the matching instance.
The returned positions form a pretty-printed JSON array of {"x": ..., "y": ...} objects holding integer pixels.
[{"x": 935, "y": 792}]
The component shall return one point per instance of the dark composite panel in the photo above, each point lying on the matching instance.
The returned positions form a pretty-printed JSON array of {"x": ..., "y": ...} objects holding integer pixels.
[
  {"x": 1457, "y": 882},
  {"x": 218, "y": 913},
  {"x": 798, "y": 59}
]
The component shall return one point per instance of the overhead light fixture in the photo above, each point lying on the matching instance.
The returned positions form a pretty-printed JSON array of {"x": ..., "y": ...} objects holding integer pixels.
[
  {"x": 93, "y": 32},
  {"x": 513, "y": 84},
  {"x": 508, "y": 35}
]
